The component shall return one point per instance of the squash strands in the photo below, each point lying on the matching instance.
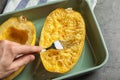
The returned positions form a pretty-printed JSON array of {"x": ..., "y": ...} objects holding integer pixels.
[
  {"x": 67, "y": 26},
  {"x": 20, "y": 30}
]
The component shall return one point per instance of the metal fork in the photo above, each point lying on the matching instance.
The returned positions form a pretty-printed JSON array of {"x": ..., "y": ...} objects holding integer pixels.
[{"x": 55, "y": 45}]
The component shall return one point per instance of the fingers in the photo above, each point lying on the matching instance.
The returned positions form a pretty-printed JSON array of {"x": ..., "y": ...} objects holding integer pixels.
[
  {"x": 25, "y": 49},
  {"x": 16, "y": 48},
  {"x": 8, "y": 52},
  {"x": 12, "y": 49},
  {"x": 22, "y": 61}
]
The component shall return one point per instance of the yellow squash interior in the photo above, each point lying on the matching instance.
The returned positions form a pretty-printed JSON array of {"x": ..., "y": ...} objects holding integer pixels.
[
  {"x": 16, "y": 35},
  {"x": 67, "y": 26},
  {"x": 20, "y": 30}
]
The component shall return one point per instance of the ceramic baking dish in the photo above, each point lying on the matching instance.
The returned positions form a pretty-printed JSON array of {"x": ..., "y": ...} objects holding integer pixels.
[{"x": 94, "y": 54}]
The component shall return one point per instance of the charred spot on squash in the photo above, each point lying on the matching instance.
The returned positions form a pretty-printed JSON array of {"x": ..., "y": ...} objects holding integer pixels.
[{"x": 16, "y": 35}]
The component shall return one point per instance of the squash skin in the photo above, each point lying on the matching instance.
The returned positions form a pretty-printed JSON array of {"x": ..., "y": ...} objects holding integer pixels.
[
  {"x": 62, "y": 61},
  {"x": 16, "y": 23}
]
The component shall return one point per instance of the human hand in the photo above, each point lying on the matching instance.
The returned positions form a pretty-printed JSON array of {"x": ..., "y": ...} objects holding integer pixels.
[{"x": 9, "y": 51}]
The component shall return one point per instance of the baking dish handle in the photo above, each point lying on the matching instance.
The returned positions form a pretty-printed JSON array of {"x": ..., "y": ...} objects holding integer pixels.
[{"x": 92, "y": 3}]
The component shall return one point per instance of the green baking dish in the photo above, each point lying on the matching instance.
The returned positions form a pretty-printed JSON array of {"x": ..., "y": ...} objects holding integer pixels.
[{"x": 94, "y": 54}]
